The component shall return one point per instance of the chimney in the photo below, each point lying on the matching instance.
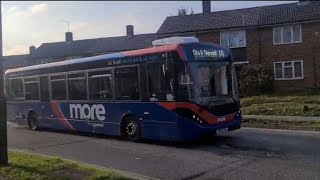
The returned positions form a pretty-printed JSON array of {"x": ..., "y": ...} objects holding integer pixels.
[
  {"x": 206, "y": 6},
  {"x": 32, "y": 50},
  {"x": 130, "y": 30},
  {"x": 69, "y": 37}
]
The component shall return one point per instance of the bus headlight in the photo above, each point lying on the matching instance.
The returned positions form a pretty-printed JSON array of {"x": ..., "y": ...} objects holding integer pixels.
[
  {"x": 189, "y": 114},
  {"x": 198, "y": 119},
  {"x": 239, "y": 112}
]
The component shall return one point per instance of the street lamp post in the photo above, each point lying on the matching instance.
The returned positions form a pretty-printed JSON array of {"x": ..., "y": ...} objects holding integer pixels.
[{"x": 3, "y": 112}]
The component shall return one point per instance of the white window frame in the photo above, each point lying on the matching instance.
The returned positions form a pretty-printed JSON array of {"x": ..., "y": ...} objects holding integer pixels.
[
  {"x": 293, "y": 72},
  {"x": 228, "y": 34},
  {"x": 281, "y": 34}
]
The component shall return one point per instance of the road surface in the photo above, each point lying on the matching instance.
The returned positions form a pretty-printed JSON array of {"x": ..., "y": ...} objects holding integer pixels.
[{"x": 247, "y": 153}]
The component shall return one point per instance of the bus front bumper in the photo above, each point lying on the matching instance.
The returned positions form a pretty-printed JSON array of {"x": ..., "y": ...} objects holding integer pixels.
[{"x": 192, "y": 131}]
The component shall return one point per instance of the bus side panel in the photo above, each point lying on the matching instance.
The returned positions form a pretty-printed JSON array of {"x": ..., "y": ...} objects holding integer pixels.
[
  {"x": 50, "y": 119},
  {"x": 57, "y": 117},
  {"x": 17, "y": 112},
  {"x": 160, "y": 124},
  {"x": 156, "y": 122}
]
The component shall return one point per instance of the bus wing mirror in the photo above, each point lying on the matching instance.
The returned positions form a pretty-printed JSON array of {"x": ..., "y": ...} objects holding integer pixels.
[{"x": 164, "y": 69}]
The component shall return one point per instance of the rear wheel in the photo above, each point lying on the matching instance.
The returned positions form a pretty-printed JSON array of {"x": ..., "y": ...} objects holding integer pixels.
[
  {"x": 33, "y": 122},
  {"x": 131, "y": 130}
]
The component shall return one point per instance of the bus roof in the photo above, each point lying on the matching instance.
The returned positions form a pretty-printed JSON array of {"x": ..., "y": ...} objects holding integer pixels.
[{"x": 138, "y": 52}]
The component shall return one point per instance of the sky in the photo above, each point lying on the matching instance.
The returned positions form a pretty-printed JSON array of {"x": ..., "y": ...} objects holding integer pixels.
[{"x": 27, "y": 23}]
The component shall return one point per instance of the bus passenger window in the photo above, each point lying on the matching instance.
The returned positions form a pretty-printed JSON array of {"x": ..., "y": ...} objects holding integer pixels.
[
  {"x": 58, "y": 87},
  {"x": 126, "y": 83},
  {"x": 31, "y": 87},
  {"x": 100, "y": 85},
  {"x": 16, "y": 86},
  {"x": 77, "y": 86}
]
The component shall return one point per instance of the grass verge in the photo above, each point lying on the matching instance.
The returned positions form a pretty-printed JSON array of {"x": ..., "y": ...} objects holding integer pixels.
[
  {"x": 281, "y": 124},
  {"x": 25, "y": 166},
  {"x": 297, "y": 105}
]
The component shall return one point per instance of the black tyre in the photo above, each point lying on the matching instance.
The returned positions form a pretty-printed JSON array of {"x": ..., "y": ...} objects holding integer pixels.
[
  {"x": 33, "y": 122},
  {"x": 132, "y": 130}
]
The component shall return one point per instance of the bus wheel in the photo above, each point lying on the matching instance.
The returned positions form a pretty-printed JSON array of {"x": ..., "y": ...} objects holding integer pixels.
[
  {"x": 132, "y": 130},
  {"x": 33, "y": 122}
]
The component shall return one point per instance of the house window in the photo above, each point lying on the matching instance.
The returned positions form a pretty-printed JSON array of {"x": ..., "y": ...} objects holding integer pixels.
[
  {"x": 287, "y": 34},
  {"x": 233, "y": 39},
  {"x": 288, "y": 70}
]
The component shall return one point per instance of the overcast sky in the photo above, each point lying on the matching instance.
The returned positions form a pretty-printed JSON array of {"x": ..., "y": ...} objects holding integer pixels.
[{"x": 27, "y": 23}]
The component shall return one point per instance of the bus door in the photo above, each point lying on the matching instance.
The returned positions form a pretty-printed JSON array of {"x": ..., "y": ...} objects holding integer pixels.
[{"x": 45, "y": 100}]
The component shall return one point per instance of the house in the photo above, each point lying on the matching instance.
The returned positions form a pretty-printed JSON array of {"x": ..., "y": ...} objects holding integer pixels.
[
  {"x": 285, "y": 37},
  {"x": 15, "y": 61},
  {"x": 70, "y": 49}
]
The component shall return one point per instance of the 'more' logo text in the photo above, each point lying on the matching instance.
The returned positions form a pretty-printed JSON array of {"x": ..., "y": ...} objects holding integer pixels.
[{"x": 86, "y": 111}]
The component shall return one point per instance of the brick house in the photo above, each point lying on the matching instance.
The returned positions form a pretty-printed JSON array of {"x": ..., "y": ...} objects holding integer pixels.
[
  {"x": 285, "y": 37},
  {"x": 69, "y": 49}
]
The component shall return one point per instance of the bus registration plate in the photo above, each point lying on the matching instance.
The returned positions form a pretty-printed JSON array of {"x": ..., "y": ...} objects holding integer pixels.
[{"x": 221, "y": 131}]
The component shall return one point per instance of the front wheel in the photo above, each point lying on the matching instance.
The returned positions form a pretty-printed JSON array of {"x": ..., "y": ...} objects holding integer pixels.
[
  {"x": 33, "y": 122},
  {"x": 132, "y": 130}
]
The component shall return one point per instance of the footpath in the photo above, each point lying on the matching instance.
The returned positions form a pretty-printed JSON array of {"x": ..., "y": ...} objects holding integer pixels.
[
  {"x": 282, "y": 118},
  {"x": 282, "y": 122}
]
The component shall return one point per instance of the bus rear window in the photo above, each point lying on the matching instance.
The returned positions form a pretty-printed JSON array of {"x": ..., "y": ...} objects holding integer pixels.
[{"x": 16, "y": 87}]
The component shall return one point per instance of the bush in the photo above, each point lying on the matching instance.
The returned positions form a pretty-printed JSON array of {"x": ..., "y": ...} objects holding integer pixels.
[{"x": 255, "y": 80}]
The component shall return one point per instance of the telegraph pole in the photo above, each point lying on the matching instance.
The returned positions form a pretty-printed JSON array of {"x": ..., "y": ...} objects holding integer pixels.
[{"x": 3, "y": 111}]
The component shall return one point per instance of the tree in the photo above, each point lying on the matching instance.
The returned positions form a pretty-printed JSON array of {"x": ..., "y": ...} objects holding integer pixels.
[
  {"x": 255, "y": 80},
  {"x": 191, "y": 11},
  {"x": 3, "y": 112},
  {"x": 184, "y": 11}
]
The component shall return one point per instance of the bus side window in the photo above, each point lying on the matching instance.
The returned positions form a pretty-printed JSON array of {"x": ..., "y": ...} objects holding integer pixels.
[
  {"x": 31, "y": 88},
  {"x": 44, "y": 88},
  {"x": 77, "y": 86},
  {"x": 16, "y": 89},
  {"x": 100, "y": 85},
  {"x": 58, "y": 87},
  {"x": 160, "y": 80},
  {"x": 144, "y": 82},
  {"x": 126, "y": 83}
]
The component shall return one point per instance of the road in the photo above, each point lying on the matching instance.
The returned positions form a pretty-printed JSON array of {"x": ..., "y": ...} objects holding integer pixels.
[{"x": 247, "y": 153}]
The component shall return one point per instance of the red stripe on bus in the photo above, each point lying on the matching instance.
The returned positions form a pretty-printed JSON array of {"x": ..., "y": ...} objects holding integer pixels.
[
  {"x": 60, "y": 116},
  {"x": 200, "y": 112},
  {"x": 151, "y": 50}
]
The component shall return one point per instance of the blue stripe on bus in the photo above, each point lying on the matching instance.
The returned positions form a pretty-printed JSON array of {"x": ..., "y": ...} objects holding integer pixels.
[{"x": 68, "y": 62}]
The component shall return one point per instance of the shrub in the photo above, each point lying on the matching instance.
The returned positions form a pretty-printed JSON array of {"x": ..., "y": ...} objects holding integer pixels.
[{"x": 255, "y": 80}]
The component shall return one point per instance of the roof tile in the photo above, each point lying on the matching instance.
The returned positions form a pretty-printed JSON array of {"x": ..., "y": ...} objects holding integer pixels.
[
  {"x": 257, "y": 16},
  {"x": 94, "y": 46}
]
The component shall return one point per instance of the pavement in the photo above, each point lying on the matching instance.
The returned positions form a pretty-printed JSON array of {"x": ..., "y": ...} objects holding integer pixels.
[
  {"x": 282, "y": 118},
  {"x": 248, "y": 153}
]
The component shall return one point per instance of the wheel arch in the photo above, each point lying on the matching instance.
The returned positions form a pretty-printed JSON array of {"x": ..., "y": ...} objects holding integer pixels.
[
  {"x": 124, "y": 119},
  {"x": 30, "y": 112}
]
